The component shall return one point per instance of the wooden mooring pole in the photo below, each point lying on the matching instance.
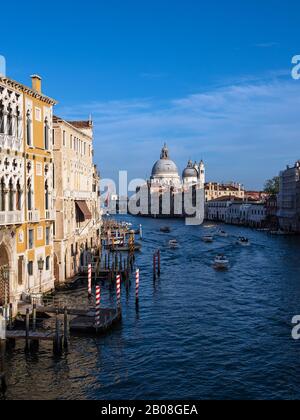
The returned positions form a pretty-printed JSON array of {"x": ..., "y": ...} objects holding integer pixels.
[
  {"x": 66, "y": 328},
  {"x": 34, "y": 317},
  {"x": 57, "y": 343},
  {"x": 158, "y": 263},
  {"x": 118, "y": 291},
  {"x": 10, "y": 325},
  {"x": 89, "y": 281},
  {"x": 3, "y": 384},
  {"x": 154, "y": 266},
  {"x": 27, "y": 326},
  {"x": 137, "y": 286}
]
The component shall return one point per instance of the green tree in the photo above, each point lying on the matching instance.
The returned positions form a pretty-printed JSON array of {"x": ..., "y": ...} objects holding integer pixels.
[{"x": 272, "y": 186}]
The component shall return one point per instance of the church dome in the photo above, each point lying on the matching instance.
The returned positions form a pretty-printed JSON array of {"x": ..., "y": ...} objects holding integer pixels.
[
  {"x": 190, "y": 171},
  {"x": 165, "y": 166}
]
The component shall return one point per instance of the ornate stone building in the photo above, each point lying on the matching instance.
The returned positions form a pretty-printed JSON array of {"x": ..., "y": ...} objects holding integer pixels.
[
  {"x": 77, "y": 201},
  {"x": 26, "y": 206}
]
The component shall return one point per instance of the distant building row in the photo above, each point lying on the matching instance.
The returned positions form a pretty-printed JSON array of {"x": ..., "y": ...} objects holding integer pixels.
[
  {"x": 258, "y": 214},
  {"x": 258, "y": 209}
]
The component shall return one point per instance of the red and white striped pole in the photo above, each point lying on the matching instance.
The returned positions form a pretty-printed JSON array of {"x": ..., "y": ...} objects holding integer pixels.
[
  {"x": 118, "y": 288},
  {"x": 98, "y": 307},
  {"x": 90, "y": 280},
  {"x": 154, "y": 265},
  {"x": 137, "y": 284},
  {"x": 158, "y": 262}
]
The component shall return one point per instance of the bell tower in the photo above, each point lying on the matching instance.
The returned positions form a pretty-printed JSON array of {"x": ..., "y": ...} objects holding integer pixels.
[{"x": 202, "y": 173}]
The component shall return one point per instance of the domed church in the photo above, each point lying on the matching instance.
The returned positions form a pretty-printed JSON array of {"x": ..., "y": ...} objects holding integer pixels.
[
  {"x": 165, "y": 173},
  {"x": 168, "y": 195}
]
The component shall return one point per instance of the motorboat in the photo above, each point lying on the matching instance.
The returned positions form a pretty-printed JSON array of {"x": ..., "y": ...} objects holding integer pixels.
[
  {"x": 165, "y": 229},
  {"x": 223, "y": 234},
  {"x": 209, "y": 226},
  {"x": 208, "y": 238},
  {"x": 280, "y": 232},
  {"x": 173, "y": 244},
  {"x": 221, "y": 262},
  {"x": 243, "y": 241}
]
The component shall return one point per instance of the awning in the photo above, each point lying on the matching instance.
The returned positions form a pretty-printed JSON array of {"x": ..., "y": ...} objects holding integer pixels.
[{"x": 83, "y": 208}]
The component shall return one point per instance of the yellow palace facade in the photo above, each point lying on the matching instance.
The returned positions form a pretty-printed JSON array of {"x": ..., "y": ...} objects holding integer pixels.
[{"x": 26, "y": 191}]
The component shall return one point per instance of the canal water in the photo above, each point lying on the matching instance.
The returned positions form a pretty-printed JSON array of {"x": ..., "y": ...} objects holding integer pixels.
[{"x": 198, "y": 334}]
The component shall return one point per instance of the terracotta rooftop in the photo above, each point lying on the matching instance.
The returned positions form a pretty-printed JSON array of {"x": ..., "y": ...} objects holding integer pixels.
[
  {"x": 81, "y": 124},
  {"x": 226, "y": 198},
  {"x": 221, "y": 187}
]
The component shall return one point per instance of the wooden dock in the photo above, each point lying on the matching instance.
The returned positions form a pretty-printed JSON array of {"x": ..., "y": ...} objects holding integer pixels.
[
  {"x": 32, "y": 336},
  {"x": 87, "y": 325},
  {"x": 81, "y": 321}
]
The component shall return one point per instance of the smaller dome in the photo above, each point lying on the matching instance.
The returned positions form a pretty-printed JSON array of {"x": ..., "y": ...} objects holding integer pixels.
[{"x": 190, "y": 171}]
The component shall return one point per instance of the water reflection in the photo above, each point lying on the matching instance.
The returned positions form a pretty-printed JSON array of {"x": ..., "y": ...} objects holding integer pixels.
[{"x": 196, "y": 333}]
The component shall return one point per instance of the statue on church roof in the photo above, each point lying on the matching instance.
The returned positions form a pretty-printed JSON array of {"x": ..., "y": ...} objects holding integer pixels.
[{"x": 165, "y": 152}]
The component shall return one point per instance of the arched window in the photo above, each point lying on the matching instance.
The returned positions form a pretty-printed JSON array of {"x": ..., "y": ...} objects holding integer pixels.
[
  {"x": 9, "y": 122},
  {"x": 18, "y": 132},
  {"x": 46, "y": 196},
  {"x": 19, "y": 197},
  {"x": 1, "y": 118},
  {"x": 28, "y": 129},
  {"x": 29, "y": 195},
  {"x": 47, "y": 263},
  {"x": 11, "y": 196},
  {"x": 46, "y": 134},
  {"x": 2, "y": 195}
]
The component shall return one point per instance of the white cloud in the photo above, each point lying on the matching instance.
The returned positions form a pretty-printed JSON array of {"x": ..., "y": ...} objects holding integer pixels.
[
  {"x": 245, "y": 132},
  {"x": 267, "y": 45}
]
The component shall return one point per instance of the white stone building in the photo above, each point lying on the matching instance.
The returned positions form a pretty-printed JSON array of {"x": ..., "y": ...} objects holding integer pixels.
[
  {"x": 234, "y": 211},
  {"x": 289, "y": 199}
]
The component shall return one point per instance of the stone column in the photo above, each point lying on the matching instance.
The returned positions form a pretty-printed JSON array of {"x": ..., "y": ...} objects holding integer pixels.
[{"x": 6, "y": 198}]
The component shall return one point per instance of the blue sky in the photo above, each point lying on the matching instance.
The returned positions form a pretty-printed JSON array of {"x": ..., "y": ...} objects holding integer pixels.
[{"x": 212, "y": 79}]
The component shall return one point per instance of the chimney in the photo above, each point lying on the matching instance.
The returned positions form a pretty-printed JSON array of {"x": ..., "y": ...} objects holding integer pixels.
[{"x": 36, "y": 83}]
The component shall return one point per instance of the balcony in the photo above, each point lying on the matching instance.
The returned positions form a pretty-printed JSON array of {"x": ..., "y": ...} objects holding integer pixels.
[
  {"x": 50, "y": 214},
  {"x": 10, "y": 142},
  {"x": 33, "y": 216},
  {"x": 11, "y": 218}
]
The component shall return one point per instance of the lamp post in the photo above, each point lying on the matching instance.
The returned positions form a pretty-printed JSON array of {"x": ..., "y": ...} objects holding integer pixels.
[{"x": 41, "y": 263}]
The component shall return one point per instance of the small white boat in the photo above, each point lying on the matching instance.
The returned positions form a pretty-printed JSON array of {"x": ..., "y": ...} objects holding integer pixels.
[
  {"x": 221, "y": 263},
  {"x": 165, "y": 229},
  {"x": 243, "y": 241},
  {"x": 280, "y": 233},
  {"x": 173, "y": 244},
  {"x": 208, "y": 238},
  {"x": 209, "y": 226},
  {"x": 223, "y": 234}
]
